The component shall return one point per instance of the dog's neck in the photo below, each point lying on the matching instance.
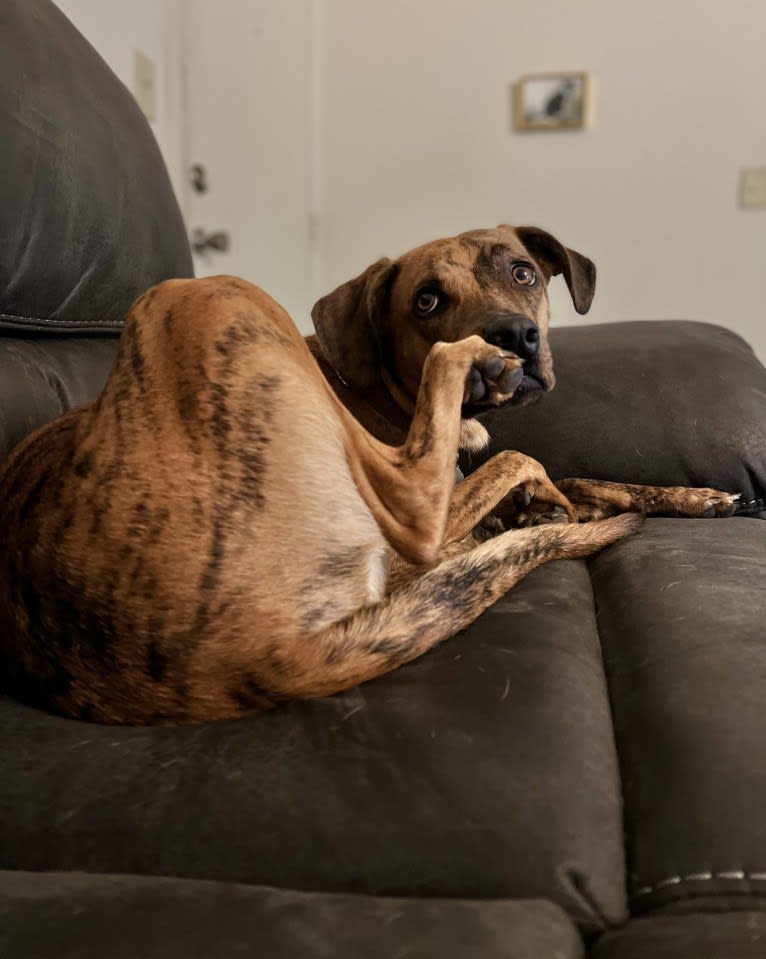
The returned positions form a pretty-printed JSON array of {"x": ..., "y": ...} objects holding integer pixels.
[
  {"x": 473, "y": 436},
  {"x": 385, "y": 409},
  {"x": 375, "y": 408}
]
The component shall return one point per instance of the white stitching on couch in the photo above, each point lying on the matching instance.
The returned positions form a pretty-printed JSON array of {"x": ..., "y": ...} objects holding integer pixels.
[{"x": 701, "y": 877}]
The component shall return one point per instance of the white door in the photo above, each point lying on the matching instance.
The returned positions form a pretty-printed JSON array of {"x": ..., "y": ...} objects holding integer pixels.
[{"x": 248, "y": 68}]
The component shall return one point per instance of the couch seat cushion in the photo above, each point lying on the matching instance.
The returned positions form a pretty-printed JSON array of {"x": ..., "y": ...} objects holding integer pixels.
[
  {"x": 682, "y": 619},
  {"x": 71, "y": 915},
  {"x": 486, "y": 769},
  {"x": 738, "y": 935}
]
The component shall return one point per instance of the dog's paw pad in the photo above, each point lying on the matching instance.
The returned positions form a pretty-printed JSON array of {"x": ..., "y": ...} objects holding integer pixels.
[
  {"x": 559, "y": 515},
  {"x": 475, "y": 387},
  {"x": 491, "y": 367},
  {"x": 721, "y": 504},
  {"x": 556, "y": 514},
  {"x": 540, "y": 514},
  {"x": 492, "y": 378},
  {"x": 509, "y": 380}
]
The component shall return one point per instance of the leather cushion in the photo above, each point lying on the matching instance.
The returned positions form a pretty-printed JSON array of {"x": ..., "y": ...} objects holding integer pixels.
[
  {"x": 682, "y": 620},
  {"x": 486, "y": 769},
  {"x": 667, "y": 403},
  {"x": 43, "y": 376},
  {"x": 88, "y": 219},
  {"x": 738, "y": 935},
  {"x": 68, "y": 916}
]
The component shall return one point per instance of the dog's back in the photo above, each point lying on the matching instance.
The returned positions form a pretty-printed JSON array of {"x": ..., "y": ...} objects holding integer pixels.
[{"x": 151, "y": 538}]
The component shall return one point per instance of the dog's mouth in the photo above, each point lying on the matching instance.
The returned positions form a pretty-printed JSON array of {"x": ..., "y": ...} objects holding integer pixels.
[{"x": 530, "y": 390}]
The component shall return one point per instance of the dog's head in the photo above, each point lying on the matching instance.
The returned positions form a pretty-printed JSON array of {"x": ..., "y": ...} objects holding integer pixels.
[{"x": 382, "y": 324}]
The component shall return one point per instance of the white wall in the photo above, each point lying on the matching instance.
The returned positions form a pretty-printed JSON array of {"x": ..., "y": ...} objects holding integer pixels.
[
  {"x": 417, "y": 143},
  {"x": 414, "y": 139},
  {"x": 118, "y": 27},
  {"x": 257, "y": 155}
]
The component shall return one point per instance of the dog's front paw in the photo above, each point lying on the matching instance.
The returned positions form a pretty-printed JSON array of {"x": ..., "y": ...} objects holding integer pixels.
[
  {"x": 710, "y": 503},
  {"x": 699, "y": 502},
  {"x": 542, "y": 515},
  {"x": 492, "y": 378},
  {"x": 536, "y": 504}
]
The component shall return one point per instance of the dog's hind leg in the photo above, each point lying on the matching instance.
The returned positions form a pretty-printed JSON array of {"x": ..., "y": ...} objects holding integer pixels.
[{"x": 430, "y": 608}]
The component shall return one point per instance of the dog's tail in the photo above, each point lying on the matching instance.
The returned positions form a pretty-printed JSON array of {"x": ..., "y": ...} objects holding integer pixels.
[{"x": 438, "y": 604}]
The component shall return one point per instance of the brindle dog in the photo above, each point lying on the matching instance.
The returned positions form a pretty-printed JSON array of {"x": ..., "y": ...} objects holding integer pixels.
[
  {"x": 374, "y": 333},
  {"x": 217, "y": 534}
]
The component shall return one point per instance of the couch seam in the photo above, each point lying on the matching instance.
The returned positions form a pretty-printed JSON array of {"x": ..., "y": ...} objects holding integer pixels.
[
  {"x": 53, "y": 321},
  {"x": 730, "y": 874},
  {"x": 623, "y": 838}
]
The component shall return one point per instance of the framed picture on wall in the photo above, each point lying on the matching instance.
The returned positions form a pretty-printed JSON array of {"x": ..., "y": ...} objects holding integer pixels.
[{"x": 552, "y": 101}]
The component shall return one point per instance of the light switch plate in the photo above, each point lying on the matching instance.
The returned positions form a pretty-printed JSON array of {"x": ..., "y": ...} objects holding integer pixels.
[
  {"x": 145, "y": 83},
  {"x": 752, "y": 188}
]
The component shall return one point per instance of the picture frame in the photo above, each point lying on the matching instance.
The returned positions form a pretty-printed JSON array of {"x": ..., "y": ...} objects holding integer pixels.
[{"x": 553, "y": 101}]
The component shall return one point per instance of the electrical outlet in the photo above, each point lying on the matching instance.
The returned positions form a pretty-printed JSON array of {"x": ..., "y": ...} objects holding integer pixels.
[
  {"x": 145, "y": 84},
  {"x": 752, "y": 188}
]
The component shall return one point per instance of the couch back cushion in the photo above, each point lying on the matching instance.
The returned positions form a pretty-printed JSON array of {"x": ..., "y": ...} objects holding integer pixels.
[{"x": 88, "y": 218}]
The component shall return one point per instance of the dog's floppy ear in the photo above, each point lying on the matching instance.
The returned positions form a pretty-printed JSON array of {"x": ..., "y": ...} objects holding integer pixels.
[
  {"x": 579, "y": 272},
  {"x": 347, "y": 323}
]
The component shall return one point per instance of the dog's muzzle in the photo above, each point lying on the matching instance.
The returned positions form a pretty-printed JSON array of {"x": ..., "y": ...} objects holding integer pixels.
[{"x": 520, "y": 335}]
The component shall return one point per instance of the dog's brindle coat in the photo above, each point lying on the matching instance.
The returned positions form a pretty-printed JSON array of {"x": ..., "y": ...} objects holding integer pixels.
[
  {"x": 372, "y": 342},
  {"x": 212, "y": 536}
]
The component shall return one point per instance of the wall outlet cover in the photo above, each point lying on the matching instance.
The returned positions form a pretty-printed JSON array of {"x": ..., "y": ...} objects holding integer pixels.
[
  {"x": 145, "y": 83},
  {"x": 752, "y": 188}
]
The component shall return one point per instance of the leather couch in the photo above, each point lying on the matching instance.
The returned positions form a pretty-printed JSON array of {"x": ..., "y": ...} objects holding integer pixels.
[{"x": 580, "y": 772}]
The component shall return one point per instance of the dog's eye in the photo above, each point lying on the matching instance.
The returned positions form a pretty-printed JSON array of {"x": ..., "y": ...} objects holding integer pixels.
[
  {"x": 524, "y": 275},
  {"x": 426, "y": 302}
]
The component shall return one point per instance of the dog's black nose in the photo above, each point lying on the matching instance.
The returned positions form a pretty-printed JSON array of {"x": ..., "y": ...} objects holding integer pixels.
[{"x": 514, "y": 332}]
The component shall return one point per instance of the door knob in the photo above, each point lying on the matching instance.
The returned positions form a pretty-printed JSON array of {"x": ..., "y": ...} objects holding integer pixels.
[
  {"x": 202, "y": 240},
  {"x": 198, "y": 178}
]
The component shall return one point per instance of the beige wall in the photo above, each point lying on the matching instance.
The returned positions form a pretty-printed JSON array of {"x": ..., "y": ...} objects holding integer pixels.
[
  {"x": 413, "y": 138},
  {"x": 416, "y": 142},
  {"x": 118, "y": 27}
]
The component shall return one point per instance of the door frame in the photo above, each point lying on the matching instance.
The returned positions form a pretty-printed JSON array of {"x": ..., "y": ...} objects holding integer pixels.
[{"x": 177, "y": 148}]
